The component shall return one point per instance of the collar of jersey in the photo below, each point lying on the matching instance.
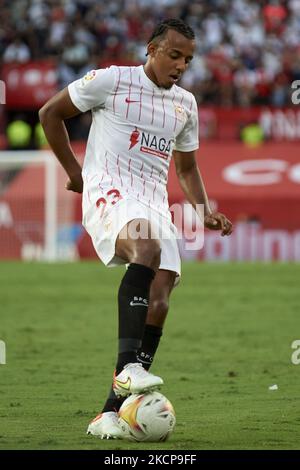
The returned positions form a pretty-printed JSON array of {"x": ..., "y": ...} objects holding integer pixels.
[{"x": 149, "y": 82}]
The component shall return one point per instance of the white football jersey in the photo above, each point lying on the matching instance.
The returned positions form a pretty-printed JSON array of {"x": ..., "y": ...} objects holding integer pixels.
[{"x": 135, "y": 127}]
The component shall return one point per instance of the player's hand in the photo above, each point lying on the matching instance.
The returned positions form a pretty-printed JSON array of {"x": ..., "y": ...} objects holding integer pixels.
[
  {"x": 75, "y": 184},
  {"x": 218, "y": 221}
]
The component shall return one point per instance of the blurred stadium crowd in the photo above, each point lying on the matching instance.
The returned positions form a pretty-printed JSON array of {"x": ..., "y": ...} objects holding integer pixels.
[{"x": 248, "y": 52}]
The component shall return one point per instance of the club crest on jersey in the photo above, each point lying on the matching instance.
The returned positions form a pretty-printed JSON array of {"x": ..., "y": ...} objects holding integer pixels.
[
  {"x": 179, "y": 110},
  {"x": 150, "y": 144},
  {"x": 89, "y": 76}
]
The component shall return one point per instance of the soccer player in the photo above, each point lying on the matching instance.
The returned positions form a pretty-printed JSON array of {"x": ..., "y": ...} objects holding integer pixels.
[{"x": 141, "y": 117}]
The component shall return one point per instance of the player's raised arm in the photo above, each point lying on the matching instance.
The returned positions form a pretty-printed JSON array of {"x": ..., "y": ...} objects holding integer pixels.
[
  {"x": 193, "y": 187},
  {"x": 52, "y": 116}
]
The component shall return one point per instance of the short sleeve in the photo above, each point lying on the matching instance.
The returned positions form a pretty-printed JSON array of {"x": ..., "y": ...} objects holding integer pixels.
[
  {"x": 188, "y": 139},
  {"x": 92, "y": 90}
]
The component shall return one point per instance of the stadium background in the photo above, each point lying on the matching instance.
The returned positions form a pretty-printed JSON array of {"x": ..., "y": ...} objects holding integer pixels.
[{"x": 247, "y": 57}]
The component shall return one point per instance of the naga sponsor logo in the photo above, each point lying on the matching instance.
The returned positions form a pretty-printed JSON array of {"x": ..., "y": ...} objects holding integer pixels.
[
  {"x": 134, "y": 138},
  {"x": 151, "y": 144}
]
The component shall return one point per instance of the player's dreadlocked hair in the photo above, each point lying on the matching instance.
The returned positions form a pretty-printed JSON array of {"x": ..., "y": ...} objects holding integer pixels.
[{"x": 178, "y": 25}]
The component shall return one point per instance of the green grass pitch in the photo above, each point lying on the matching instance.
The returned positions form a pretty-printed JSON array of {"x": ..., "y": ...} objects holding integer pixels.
[{"x": 227, "y": 339}]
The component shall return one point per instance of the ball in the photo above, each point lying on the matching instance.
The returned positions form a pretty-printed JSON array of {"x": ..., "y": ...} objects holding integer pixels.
[{"x": 147, "y": 417}]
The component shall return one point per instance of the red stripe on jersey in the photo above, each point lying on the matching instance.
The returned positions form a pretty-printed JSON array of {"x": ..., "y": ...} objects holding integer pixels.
[
  {"x": 159, "y": 176},
  {"x": 154, "y": 191},
  {"x": 106, "y": 167},
  {"x": 106, "y": 163},
  {"x": 163, "y": 105},
  {"x": 119, "y": 171},
  {"x": 117, "y": 87},
  {"x": 152, "y": 107},
  {"x": 129, "y": 92},
  {"x": 175, "y": 111},
  {"x": 101, "y": 187},
  {"x": 141, "y": 93},
  {"x": 151, "y": 171},
  {"x": 120, "y": 177},
  {"x": 175, "y": 114},
  {"x": 129, "y": 165}
]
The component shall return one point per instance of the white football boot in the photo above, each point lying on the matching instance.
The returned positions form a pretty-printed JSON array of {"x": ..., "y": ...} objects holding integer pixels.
[
  {"x": 135, "y": 379},
  {"x": 105, "y": 426}
]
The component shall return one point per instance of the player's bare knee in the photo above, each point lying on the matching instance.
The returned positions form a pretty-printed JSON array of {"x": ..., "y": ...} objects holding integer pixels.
[
  {"x": 159, "y": 307},
  {"x": 157, "y": 312},
  {"x": 148, "y": 253},
  {"x": 156, "y": 254}
]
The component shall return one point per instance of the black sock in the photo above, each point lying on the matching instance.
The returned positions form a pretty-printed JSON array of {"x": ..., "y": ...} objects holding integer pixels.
[
  {"x": 133, "y": 301},
  {"x": 113, "y": 403},
  {"x": 145, "y": 355},
  {"x": 151, "y": 339}
]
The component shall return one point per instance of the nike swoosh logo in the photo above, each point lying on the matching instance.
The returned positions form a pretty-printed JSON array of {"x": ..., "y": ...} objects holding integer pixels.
[
  {"x": 124, "y": 385},
  {"x": 137, "y": 303},
  {"x": 131, "y": 101}
]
